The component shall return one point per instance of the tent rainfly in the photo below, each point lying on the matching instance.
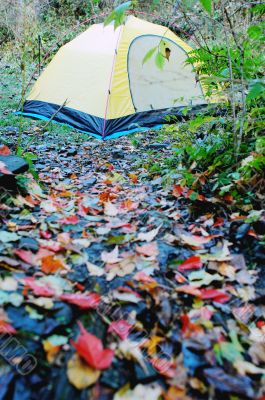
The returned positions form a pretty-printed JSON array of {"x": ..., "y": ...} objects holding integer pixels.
[{"x": 104, "y": 83}]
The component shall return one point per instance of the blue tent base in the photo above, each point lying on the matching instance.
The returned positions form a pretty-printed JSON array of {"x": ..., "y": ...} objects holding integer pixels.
[
  {"x": 112, "y": 128},
  {"x": 37, "y": 116},
  {"x": 112, "y": 136}
]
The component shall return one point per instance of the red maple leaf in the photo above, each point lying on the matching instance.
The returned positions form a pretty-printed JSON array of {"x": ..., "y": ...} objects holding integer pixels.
[
  {"x": 26, "y": 255},
  {"x": 216, "y": 295},
  {"x": 90, "y": 348},
  {"x": 193, "y": 262},
  {"x": 5, "y": 327},
  {"x": 73, "y": 219},
  {"x": 38, "y": 288},
  {"x": 121, "y": 328},
  {"x": 82, "y": 300}
]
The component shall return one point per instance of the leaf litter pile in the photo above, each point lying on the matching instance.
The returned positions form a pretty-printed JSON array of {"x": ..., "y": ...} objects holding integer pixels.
[{"x": 117, "y": 286}]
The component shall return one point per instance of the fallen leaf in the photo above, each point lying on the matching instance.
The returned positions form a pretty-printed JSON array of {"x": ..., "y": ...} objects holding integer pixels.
[
  {"x": 193, "y": 262},
  {"x": 204, "y": 278},
  {"x": 148, "y": 236},
  {"x": 90, "y": 348},
  {"x": 110, "y": 209},
  {"x": 71, "y": 220},
  {"x": 5, "y": 327},
  {"x": 227, "y": 383},
  {"x": 131, "y": 350},
  {"x": 189, "y": 289},
  {"x": 133, "y": 177},
  {"x": 178, "y": 190},
  {"x": 195, "y": 240},
  {"x": 121, "y": 328},
  {"x": 214, "y": 294},
  {"x": 51, "y": 350},
  {"x": 245, "y": 367},
  {"x": 50, "y": 264},
  {"x": 4, "y": 170},
  {"x": 111, "y": 257},
  {"x": 140, "y": 392},
  {"x": 94, "y": 270},
  {"x": 80, "y": 374},
  {"x": 83, "y": 300},
  {"x": 124, "y": 267},
  {"x": 48, "y": 206},
  {"x": 4, "y": 150},
  {"x": 7, "y": 237},
  {"x": 38, "y": 288},
  {"x": 27, "y": 256},
  {"x": 149, "y": 250}
]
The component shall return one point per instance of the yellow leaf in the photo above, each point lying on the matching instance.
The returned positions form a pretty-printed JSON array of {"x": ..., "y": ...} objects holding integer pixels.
[
  {"x": 140, "y": 392},
  {"x": 51, "y": 350},
  {"x": 152, "y": 343},
  {"x": 80, "y": 374}
]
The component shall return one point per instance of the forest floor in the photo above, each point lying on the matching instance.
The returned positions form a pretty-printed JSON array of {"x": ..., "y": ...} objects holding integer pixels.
[{"x": 101, "y": 250}]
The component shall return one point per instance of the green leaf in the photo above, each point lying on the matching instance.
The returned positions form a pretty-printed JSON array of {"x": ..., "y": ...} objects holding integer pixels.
[
  {"x": 160, "y": 61},
  {"x": 254, "y": 32},
  {"x": 230, "y": 352},
  {"x": 257, "y": 90},
  {"x": 148, "y": 55},
  {"x": 118, "y": 15},
  {"x": 111, "y": 17},
  {"x": 207, "y": 5}
]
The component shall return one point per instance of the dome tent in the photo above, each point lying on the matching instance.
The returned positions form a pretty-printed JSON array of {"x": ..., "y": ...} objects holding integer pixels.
[{"x": 109, "y": 82}]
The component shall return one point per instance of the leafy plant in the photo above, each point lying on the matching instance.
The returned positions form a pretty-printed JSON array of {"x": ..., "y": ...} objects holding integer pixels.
[{"x": 118, "y": 15}]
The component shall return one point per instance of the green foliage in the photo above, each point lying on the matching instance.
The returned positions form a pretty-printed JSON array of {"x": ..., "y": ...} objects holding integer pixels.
[
  {"x": 207, "y": 5},
  {"x": 257, "y": 90},
  {"x": 29, "y": 157},
  {"x": 118, "y": 15},
  {"x": 160, "y": 57},
  {"x": 149, "y": 54},
  {"x": 160, "y": 60}
]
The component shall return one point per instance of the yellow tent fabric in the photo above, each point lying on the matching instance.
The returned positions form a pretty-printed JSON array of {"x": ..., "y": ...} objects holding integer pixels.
[{"x": 99, "y": 84}]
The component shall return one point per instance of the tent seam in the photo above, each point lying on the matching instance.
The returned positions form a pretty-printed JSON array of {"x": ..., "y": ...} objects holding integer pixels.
[{"x": 111, "y": 79}]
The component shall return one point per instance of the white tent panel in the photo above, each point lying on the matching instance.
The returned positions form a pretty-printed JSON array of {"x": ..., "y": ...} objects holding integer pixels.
[{"x": 153, "y": 88}]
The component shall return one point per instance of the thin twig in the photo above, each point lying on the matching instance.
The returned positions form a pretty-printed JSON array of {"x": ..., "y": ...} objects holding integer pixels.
[{"x": 231, "y": 75}]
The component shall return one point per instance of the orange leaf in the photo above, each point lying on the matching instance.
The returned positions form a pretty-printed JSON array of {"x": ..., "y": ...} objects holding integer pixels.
[
  {"x": 133, "y": 178},
  {"x": 4, "y": 150},
  {"x": 49, "y": 264},
  {"x": 177, "y": 190},
  {"x": 229, "y": 198}
]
